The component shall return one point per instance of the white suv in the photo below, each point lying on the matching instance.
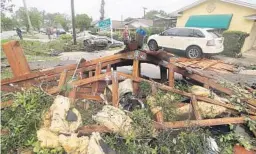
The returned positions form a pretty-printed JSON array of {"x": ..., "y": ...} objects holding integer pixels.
[{"x": 194, "y": 41}]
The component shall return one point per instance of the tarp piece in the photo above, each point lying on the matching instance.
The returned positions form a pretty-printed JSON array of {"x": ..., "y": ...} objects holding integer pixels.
[{"x": 210, "y": 21}]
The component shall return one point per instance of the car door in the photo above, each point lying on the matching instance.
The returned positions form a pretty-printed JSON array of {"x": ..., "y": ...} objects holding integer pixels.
[
  {"x": 183, "y": 38},
  {"x": 166, "y": 38}
]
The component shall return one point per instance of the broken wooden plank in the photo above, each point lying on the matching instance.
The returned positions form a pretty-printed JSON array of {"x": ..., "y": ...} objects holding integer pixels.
[
  {"x": 135, "y": 74},
  {"x": 196, "y": 108},
  {"x": 203, "y": 123},
  {"x": 16, "y": 58},
  {"x": 171, "y": 76},
  {"x": 85, "y": 130},
  {"x": 115, "y": 93},
  {"x": 210, "y": 65}
]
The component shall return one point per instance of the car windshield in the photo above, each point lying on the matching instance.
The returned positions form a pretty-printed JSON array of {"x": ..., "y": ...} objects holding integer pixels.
[{"x": 214, "y": 34}]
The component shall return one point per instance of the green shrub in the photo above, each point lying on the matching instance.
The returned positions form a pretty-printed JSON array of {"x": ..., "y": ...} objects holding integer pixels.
[
  {"x": 66, "y": 37},
  {"x": 233, "y": 42},
  {"x": 22, "y": 119}
]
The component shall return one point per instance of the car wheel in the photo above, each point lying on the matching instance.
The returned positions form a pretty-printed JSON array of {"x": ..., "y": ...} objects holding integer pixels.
[
  {"x": 152, "y": 45},
  {"x": 193, "y": 52}
]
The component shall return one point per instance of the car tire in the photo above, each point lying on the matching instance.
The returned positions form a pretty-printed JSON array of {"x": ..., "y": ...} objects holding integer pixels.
[
  {"x": 194, "y": 52},
  {"x": 153, "y": 46}
]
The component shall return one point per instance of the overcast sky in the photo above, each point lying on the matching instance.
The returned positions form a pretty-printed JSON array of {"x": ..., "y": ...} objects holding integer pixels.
[{"x": 113, "y": 8}]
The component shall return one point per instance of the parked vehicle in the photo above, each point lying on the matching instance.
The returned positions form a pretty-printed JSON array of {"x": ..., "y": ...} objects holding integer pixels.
[
  {"x": 61, "y": 31},
  {"x": 94, "y": 43},
  {"x": 194, "y": 41}
]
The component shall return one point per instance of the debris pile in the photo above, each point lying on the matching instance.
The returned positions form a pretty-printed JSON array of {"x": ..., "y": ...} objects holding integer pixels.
[{"x": 139, "y": 114}]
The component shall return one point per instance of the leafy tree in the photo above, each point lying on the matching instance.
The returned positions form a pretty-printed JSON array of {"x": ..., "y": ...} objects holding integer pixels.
[
  {"x": 151, "y": 14},
  {"x": 6, "y": 22},
  {"x": 6, "y": 6},
  {"x": 35, "y": 17},
  {"x": 83, "y": 21},
  {"x": 63, "y": 20},
  {"x": 49, "y": 19},
  {"x": 56, "y": 20}
]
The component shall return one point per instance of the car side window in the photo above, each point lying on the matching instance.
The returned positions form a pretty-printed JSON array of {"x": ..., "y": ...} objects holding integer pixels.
[
  {"x": 182, "y": 32},
  {"x": 170, "y": 32},
  {"x": 198, "y": 33}
]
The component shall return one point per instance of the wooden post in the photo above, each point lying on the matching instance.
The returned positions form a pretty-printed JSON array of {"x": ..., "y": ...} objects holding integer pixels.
[
  {"x": 16, "y": 58},
  {"x": 63, "y": 78},
  {"x": 196, "y": 108},
  {"x": 171, "y": 76},
  {"x": 135, "y": 74},
  {"x": 163, "y": 74},
  {"x": 95, "y": 85},
  {"x": 115, "y": 94}
]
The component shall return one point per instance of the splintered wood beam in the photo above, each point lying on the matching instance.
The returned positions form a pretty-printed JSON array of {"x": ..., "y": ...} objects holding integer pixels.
[
  {"x": 90, "y": 79},
  {"x": 171, "y": 76},
  {"x": 88, "y": 129},
  {"x": 115, "y": 93},
  {"x": 196, "y": 108},
  {"x": 16, "y": 58},
  {"x": 203, "y": 123},
  {"x": 62, "y": 81},
  {"x": 135, "y": 74}
]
